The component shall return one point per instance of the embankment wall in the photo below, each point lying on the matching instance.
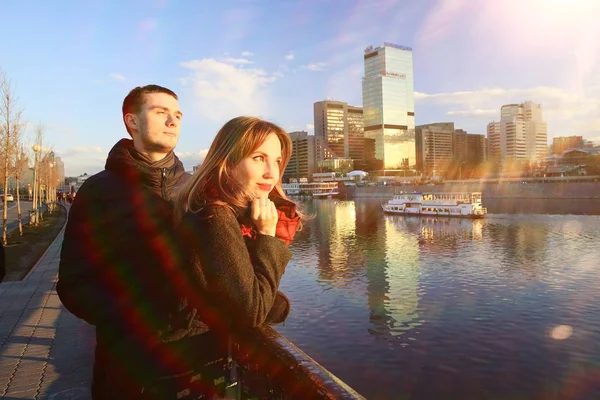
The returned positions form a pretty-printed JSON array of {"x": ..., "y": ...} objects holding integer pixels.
[{"x": 554, "y": 190}]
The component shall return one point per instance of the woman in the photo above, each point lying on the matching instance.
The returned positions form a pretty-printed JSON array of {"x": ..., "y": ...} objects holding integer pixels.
[{"x": 236, "y": 221}]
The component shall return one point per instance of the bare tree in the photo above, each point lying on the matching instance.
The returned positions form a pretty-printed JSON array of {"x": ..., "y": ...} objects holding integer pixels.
[
  {"x": 21, "y": 167},
  {"x": 10, "y": 120}
]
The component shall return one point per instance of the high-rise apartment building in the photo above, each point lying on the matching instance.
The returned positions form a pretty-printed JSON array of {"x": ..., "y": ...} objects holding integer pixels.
[
  {"x": 476, "y": 149},
  {"x": 302, "y": 162},
  {"x": 493, "y": 136},
  {"x": 60, "y": 168},
  {"x": 388, "y": 104},
  {"x": 459, "y": 146},
  {"x": 562, "y": 143},
  {"x": 339, "y": 129},
  {"x": 354, "y": 147},
  {"x": 434, "y": 148},
  {"x": 468, "y": 148},
  {"x": 521, "y": 133}
]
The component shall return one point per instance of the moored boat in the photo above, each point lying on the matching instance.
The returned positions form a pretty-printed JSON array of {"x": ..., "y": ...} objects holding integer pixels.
[
  {"x": 314, "y": 189},
  {"x": 326, "y": 194},
  {"x": 448, "y": 204}
]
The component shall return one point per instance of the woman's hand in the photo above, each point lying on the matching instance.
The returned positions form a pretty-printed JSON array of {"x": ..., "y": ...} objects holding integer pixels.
[{"x": 264, "y": 215}]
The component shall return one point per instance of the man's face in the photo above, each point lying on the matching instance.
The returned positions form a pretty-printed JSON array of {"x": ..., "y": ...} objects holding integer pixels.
[{"x": 159, "y": 123}]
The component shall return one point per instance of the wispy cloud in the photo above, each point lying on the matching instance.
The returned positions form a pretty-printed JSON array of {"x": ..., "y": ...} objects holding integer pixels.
[
  {"x": 247, "y": 54},
  {"x": 292, "y": 128},
  {"x": 78, "y": 165},
  {"x": 83, "y": 159},
  {"x": 552, "y": 98},
  {"x": 473, "y": 113},
  {"x": 595, "y": 139},
  {"x": 296, "y": 128},
  {"x": 192, "y": 158},
  {"x": 83, "y": 150},
  {"x": 231, "y": 60},
  {"x": 223, "y": 90},
  {"x": 289, "y": 56},
  {"x": 118, "y": 77},
  {"x": 318, "y": 66}
]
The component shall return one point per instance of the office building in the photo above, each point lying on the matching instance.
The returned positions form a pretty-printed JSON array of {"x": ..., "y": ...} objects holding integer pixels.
[
  {"x": 434, "y": 148},
  {"x": 468, "y": 148},
  {"x": 562, "y": 143},
  {"x": 388, "y": 105},
  {"x": 476, "y": 149},
  {"x": 520, "y": 135},
  {"x": 303, "y": 160},
  {"x": 60, "y": 168},
  {"x": 459, "y": 146},
  {"x": 339, "y": 131}
]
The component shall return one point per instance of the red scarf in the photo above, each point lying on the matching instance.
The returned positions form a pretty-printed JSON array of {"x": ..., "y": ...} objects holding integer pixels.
[{"x": 287, "y": 224}]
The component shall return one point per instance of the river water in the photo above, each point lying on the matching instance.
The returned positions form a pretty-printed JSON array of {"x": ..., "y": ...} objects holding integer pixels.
[{"x": 421, "y": 308}]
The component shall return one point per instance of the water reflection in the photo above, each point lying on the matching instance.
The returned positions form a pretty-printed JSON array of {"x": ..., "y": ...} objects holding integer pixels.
[
  {"x": 335, "y": 239},
  {"x": 439, "y": 233},
  {"x": 402, "y": 271},
  {"x": 523, "y": 246},
  {"x": 437, "y": 308},
  {"x": 542, "y": 206}
]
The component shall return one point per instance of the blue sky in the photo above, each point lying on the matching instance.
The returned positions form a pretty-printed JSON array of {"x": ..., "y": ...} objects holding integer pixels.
[{"x": 71, "y": 63}]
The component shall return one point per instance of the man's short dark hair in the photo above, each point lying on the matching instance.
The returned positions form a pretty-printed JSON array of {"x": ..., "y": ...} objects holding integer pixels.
[{"x": 135, "y": 99}]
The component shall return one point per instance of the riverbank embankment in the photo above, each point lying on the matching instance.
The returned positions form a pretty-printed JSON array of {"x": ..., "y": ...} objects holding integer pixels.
[{"x": 553, "y": 190}]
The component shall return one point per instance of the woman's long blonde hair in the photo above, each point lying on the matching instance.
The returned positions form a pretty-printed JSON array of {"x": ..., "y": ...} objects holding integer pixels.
[{"x": 214, "y": 181}]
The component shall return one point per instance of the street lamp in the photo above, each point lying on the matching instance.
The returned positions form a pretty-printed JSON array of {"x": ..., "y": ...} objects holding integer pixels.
[
  {"x": 50, "y": 187},
  {"x": 36, "y": 149}
]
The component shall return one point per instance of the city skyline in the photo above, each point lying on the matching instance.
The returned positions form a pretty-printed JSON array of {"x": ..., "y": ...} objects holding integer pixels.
[{"x": 275, "y": 60}]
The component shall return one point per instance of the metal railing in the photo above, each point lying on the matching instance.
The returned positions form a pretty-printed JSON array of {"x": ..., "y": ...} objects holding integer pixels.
[{"x": 271, "y": 367}]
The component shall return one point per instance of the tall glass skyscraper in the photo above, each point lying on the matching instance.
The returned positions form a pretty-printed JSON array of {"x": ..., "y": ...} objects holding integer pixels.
[{"x": 389, "y": 105}]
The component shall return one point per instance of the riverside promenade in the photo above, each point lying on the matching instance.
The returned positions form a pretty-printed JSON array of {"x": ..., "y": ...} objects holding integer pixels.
[{"x": 45, "y": 351}]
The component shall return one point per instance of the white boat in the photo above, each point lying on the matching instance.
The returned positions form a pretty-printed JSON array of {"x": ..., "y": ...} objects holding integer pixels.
[
  {"x": 447, "y": 204},
  {"x": 326, "y": 194},
  {"x": 315, "y": 189}
]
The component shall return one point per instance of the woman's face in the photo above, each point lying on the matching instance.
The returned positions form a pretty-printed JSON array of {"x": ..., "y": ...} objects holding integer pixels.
[{"x": 259, "y": 172}]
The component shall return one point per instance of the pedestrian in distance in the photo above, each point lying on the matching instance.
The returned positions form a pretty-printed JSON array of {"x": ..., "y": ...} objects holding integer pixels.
[
  {"x": 119, "y": 254},
  {"x": 2, "y": 262}
]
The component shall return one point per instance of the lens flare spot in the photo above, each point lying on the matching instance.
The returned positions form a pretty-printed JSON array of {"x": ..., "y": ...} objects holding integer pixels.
[{"x": 561, "y": 332}]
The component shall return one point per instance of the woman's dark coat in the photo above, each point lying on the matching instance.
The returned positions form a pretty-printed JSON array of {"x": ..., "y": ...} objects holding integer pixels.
[{"x": 236, "y": 270}]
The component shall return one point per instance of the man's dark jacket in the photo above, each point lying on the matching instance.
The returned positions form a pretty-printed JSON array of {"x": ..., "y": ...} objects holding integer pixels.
[{"x": 119, "y": 263}]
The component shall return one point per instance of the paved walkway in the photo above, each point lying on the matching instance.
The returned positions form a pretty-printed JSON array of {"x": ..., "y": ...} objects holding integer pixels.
[{"x": 45, "y": 351}]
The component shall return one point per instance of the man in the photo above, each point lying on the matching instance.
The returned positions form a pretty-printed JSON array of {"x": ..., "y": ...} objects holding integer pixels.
[{"x": 119, "y": 257}]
